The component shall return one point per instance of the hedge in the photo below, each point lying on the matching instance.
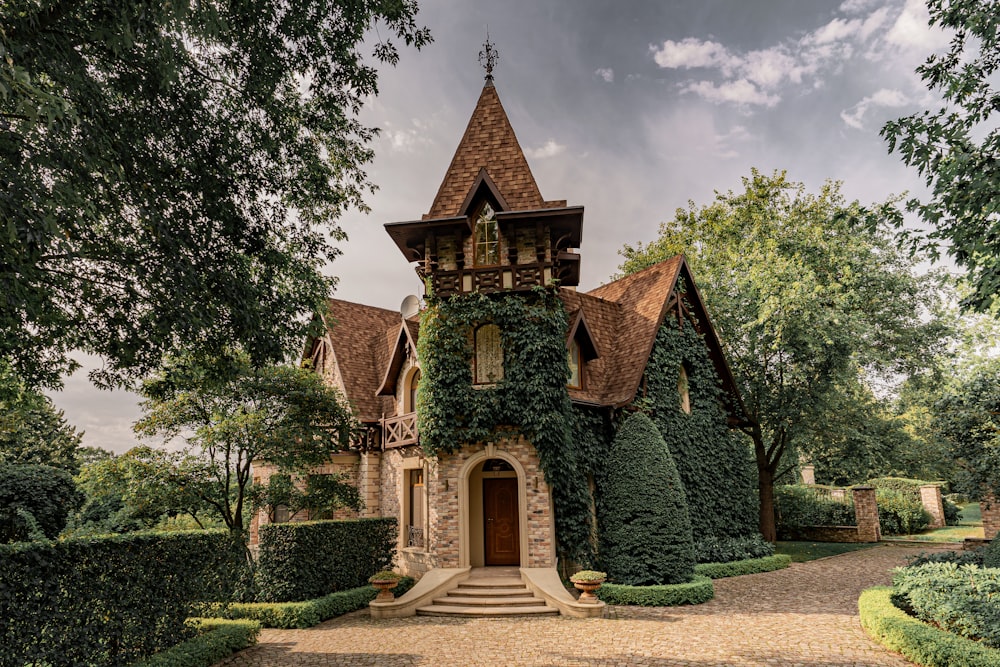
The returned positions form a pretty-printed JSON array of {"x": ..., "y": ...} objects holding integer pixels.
[
  {"x": 696, "y": 591},
  {"x": 306, "y": 614},
  {"x": 962, "y": 599},
  {"x": 45, "y": 493},
  {"x": 741, "y": 567},
  {"x": 310, "y": 559},
  {"x": 219, "y": 639},
  {"x": 917, "y": 641},
  {"x": 109, "y": 600},
  {"x": 729, "y": 549}
]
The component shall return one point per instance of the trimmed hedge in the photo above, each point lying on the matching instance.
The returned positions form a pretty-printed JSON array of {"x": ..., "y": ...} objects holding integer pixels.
[
  {"x": 729, "y": 549},
  {"x": 307, "y": 614},
  {"x": 219, "y": 639},
  {"x": 310, "y": 559},
  {"x": 696, "y": 591},
  {"x": 645, "y": 528},
  {"x": 45, "y": 493},
  {"x": 108, "y": 600},
  {"x": 991, "y": 554},
  {"x": 917, "y": 641},
  {"x": 741, "y": 567}
]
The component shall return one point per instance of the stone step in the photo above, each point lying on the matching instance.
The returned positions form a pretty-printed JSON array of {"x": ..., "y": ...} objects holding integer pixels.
[
  {"x": 477, "y": 592},
  {"x": 521, "y": 601},
  {"x": 493, "y": 582},
  {"x": 450, "y": 610}
]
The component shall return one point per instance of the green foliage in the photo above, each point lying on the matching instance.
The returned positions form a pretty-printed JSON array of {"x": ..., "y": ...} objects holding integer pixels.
[
  {"x": 798, "y": 506},
  {"x": 909, "y": 515},
  {"x": 973, "y": 557},
  {"x": 804, "y": 297},
  {"x": 899, "y": 513},
  {"x": 311, "y": 612},
  {"x": 321, "y": 495},
  {"x": 991, "y": 556},
  {"x": 31, "y": 429},
  {"x": 217, "y": 639},
  {"x": 955, "y": 146},
  {"x": 35, "y": 497},
  {"x": 305, "y": 560},
  {"x": 963, "y": 599},
  {"x": 715, "y": 464},
  {"x": 917, "y": 641},
  {"x": 531, "y": 399},
  {"x": 171, "y": 172},
  {"x": 699, "y": 589},
  {"x": 107, "y": 601},
  {"x": 728, "y": 549},
  {"x": 740, "y": 567},
  {"x": 233, "y": 414},
  {"x": 645, "y": 530}
]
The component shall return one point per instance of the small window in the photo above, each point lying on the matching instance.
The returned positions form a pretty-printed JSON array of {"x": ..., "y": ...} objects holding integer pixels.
[
  {"x": 486, "y": 237},
  {"x": 488, "y": 355},
  {"x": 418, "y": 509},
  {"x": 683, "y": 389},
  {"x": 575, "y": 366},
  {"x": 411, "y": 395}
]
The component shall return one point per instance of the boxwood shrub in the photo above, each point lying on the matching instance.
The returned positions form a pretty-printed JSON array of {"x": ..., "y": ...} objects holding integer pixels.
[
  {"x": 917, "y": 641},
  {"x": 109, "y": 600},
  {"x": 962, "y": 599},
  {"x": 741, "y": 567},
  {"x": 696, "y": 591},
  {"x": 310, "y": 559},
  {"x": 309, "y": 613},
  {"x": 729, "y": 549},
  {"x": 217, "y": 638}
]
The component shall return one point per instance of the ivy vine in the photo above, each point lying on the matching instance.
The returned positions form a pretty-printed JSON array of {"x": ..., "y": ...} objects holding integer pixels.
[{"x": 530, "y": 400}]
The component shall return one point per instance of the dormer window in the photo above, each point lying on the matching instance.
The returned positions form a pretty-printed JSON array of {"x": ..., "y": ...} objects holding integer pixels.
[
  {"x": 487, "y": 355},
  {"x": 485, "y": 238},
  {"x": 575, "y": 366},
  {"x": 684, "y": 389}
]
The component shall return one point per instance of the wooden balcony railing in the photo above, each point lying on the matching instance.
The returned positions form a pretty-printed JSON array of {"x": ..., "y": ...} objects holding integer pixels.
[{"x": 399, "y": 431}]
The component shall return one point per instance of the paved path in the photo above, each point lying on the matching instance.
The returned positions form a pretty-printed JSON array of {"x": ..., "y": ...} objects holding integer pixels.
[{"x": 805, "y": 615}]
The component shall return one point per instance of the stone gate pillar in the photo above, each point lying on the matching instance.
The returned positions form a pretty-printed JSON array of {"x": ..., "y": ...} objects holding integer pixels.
[
  {"x": 808, "y": 474},
  {"x": 991, "y": 515},
  {"x": 866, "y": 511},
  {"x": 369, "y": 481},
  {"x": 930, "y": 496}
]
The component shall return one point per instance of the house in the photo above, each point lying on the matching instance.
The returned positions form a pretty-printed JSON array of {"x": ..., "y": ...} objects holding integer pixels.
[{"x": 485, "y": 413}]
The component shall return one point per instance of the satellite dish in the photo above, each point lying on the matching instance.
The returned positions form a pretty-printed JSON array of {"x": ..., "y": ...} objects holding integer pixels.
[{"x": 410, "y": 307}]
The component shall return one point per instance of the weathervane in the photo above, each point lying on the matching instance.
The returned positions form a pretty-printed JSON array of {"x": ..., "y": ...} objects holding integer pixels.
[{"x": 489, "y": 56}]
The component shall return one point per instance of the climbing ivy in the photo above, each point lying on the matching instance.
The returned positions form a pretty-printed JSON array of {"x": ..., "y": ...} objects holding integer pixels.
[
  {"x": 714, "y": 465},
  {"x": 531, "y": 399}
]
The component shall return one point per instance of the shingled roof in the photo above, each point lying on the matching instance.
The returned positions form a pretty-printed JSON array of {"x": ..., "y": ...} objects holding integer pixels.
[{"x": 489, "y": 142}]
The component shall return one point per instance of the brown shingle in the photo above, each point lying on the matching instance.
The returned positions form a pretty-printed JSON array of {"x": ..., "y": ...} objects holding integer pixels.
[{"x": 489, "y": 141}]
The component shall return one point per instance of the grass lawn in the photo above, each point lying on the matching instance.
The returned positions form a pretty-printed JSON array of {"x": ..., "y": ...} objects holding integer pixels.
[
  {"x": 803, "y": 551},
  {"x": 971, "y": 525}
]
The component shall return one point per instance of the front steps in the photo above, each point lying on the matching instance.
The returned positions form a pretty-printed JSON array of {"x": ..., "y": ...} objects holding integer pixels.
[{"x": 489, "y": 594}]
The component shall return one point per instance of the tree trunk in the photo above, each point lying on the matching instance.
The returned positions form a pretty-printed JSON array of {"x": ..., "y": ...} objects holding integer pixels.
[{"x": 765, "y": 493}]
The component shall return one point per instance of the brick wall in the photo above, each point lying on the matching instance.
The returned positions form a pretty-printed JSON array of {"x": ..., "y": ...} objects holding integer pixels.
[
  {"x": 866, "y": 512},
  {"x": 991, "y": 516}
]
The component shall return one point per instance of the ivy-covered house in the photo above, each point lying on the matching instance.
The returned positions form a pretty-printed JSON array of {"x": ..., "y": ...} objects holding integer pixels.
[{"x": 488, "y": 411}]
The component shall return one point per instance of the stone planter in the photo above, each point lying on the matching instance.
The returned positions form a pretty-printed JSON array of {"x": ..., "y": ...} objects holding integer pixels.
[
  {"x": 384, "y": 587},
  {"x": 587, "y": 589}
]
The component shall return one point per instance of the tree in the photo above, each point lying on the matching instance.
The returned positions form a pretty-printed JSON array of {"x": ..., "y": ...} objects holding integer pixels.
[
  {"x": 805, "y": 295},
  {"x": 31, "y": 429},
  {"x": 645, "y": 525},
  {"x": 35, "y": 501},
  {"x": 169, "y": 172},
  {"x": 231, "y": 415},
  {"x": 320, "y": 495},
  {"x": 956, "y": 148}
]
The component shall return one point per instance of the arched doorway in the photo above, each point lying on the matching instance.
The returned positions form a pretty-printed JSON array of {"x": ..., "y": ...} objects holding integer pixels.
[{"x": 492, "y": 518}]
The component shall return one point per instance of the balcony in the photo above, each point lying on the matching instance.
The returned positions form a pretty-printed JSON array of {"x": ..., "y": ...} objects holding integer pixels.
[{"x": 399, "y": 431}]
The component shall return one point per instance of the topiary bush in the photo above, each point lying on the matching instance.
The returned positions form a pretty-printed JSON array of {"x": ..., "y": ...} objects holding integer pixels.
[
  {"x": 729, "y": 549},
  {"x": 963, "y": 599},
  {"x": 645, "y": 530},
  {"x": 35, "y": 498},
  {"x": 899, "y": 513},
  {"x": 310, "y": 559},
  {"x": 696, "y": 591},
  {"x": 740, "y": 567}
]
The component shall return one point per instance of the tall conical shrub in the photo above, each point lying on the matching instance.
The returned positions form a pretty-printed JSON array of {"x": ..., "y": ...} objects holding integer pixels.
[{"x": 643, "y": 514}]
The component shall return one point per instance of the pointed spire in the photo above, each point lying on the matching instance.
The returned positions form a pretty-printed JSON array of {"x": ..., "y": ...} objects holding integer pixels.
[{"x": 488, "y": 57}]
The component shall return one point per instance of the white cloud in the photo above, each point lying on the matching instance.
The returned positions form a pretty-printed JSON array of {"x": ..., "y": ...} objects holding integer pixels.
[
  {"x": 911, "y": 29},
  {"x": 689, "y": 53},
  {"x": 606, "y": 73},
  {"x": 549, "y": 149},
  {"x": 856, "y": 6},
  {"x": 884, "y": 97},
  {"x": 835, "y": 31},
  {"x": 408, "y": 139},
  {"x": 740, "y": 92}
]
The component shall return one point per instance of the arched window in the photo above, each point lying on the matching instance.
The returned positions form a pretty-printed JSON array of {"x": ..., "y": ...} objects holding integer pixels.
[
  {"x": 575, "y": 366},
  {"x": 486, "y": 237},
  {"x": 411, "y": 392},
  {"x": 487, "y": 355},
  {"x": 683, "y": 389}
]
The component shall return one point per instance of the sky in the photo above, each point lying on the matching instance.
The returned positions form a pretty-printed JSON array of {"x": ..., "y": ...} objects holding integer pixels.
[{"x": 628, "y": 108}]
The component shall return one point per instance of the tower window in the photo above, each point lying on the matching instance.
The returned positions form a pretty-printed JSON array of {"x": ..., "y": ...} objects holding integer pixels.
[
  {"x": 486, "y": 237},
  {"x": 488, "y": 355},
  {"x": 575, "y": 366}
]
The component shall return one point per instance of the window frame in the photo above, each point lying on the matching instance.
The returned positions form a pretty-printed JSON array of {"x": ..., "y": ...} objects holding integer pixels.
[
  {"x": 486, "y": 382},
  {"x": 482, "y": 221}
]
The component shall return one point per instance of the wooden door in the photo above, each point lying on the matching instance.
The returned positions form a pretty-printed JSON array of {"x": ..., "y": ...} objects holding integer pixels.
[{"x": 500, "y": 520}]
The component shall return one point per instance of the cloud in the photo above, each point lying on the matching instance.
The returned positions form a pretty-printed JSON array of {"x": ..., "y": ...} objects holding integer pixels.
[
  {"x": 884, "y": 97},
  {"x": 856, "y": 6},
  {"x": 740, "y": 93},
  {"x": 407, "y": 139},
  {"x": 912, "y": 31},
  {"x": 549, "y": 149},
  {"x": 689, "y": 53},
  {"x": 606, "y": 73}
]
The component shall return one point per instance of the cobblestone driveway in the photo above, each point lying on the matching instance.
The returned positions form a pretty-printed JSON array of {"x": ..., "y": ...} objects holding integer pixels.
[{"x": 804, "y": 615}]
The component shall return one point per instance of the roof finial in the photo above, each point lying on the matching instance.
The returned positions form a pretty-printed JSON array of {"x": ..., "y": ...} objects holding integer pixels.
[{"x": 489, "y": 56}]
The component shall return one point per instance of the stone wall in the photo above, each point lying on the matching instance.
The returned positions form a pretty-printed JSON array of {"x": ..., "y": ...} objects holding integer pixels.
[{"x": 930, "y": 498}]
